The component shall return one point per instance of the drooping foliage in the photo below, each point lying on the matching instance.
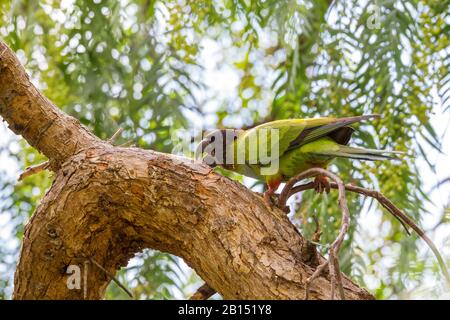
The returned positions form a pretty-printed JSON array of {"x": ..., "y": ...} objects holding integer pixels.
[{"x": 155, "y": 67}]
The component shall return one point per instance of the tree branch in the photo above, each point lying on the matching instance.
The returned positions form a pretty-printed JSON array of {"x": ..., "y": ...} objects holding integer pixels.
[
  {"x": 30, "y": 114},
  {"x": 109, "y": 203},
  {"x": 33, "y": 170},
  {"x": 112, "y": 277},
  {"x": 385, "y": 203},
  {"x": 203, "y": 293},
  {"x": 332, "y": 261}
]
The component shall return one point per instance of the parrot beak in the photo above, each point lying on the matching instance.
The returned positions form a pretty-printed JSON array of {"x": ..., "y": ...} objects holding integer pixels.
[
  {"x": 208, "y": 159},
  {"x": 200, "y": 148}
]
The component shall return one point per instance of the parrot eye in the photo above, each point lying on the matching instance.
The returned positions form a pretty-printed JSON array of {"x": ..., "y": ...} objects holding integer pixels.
[{"x": 212, "y": 139}]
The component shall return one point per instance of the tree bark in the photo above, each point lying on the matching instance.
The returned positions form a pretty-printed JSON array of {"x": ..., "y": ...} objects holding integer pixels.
[{"x": 108, "y": 203}]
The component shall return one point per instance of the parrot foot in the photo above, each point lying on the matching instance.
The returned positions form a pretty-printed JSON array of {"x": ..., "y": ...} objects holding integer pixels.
[{"x": 322, "y": 184}]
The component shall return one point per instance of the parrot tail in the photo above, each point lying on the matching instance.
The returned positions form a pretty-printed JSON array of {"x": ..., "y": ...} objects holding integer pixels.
[{"x": 362, "y": 154}]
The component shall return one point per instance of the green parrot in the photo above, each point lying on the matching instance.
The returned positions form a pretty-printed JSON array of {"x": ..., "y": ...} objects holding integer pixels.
[{"x": 276, "y": 151}]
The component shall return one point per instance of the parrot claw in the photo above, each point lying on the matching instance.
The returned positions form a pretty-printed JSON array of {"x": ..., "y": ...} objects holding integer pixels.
[{"x": 321, "y": 184}]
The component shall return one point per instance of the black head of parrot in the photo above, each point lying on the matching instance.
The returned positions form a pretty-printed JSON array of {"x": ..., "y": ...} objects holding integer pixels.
[{"x": 215, "y": 145}]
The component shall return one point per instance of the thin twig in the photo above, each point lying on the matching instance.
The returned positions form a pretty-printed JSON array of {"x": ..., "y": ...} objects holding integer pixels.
[
  {"x": 115, "y": 135},
  {"x": 390, "y": 207},
  {"x": 317, "y": 232},
  {"x": 203, "y": 293},
  {"x": 33, "y": 170},
  {"x": 336, "y": 245},
  {"x": 440, "y": 183},
  {"x": 337, "y": 270},
  {"x": 128, "y": 144},
  {"x": 332, "y": 269},
  {"x": 112, "y": 277},
  {"x": 348, "y": 187},
  {"x": 315, "y": 275}
]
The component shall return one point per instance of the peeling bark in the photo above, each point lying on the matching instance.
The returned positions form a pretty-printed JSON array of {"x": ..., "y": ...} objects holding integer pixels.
[{"x": 108, "y": 203}]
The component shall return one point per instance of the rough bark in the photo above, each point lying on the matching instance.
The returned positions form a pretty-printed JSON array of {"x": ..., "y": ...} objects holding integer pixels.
[
  {"x": 37, "y": 119},
  {"x": 108, "y": 203}
]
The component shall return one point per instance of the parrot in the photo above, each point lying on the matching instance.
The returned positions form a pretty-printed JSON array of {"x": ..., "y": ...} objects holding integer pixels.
[{"x": 274, "y": 152}]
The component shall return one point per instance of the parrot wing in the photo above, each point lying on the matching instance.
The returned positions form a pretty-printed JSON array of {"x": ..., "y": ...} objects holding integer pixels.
[
  {"x": 330, "y": 128},
  {"x": 292, "y": 134}
]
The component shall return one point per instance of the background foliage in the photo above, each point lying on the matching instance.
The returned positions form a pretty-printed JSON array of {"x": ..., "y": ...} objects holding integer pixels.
[{"x": 155, "y": 67}]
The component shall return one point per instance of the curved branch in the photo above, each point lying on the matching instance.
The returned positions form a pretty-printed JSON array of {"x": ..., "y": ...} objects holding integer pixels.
[
  {"x": 30, "y": 114},
  {"x": 385, "y": 203},
  {"x": 332, "y": 262},
  {"x": 108, "y": 203}
]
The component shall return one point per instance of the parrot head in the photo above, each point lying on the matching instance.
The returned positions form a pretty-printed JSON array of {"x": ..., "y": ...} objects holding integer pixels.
[{"x": 215, "y": 144}]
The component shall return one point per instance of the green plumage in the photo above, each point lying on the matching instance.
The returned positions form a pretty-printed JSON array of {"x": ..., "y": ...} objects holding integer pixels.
[{"x": 301, "y": 144}]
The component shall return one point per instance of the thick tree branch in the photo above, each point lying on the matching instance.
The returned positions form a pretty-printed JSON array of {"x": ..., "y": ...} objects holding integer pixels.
[
  {"x": 109, "y": 203},
  {"x": 30, "y": 114},
  {"x": 112, "y": 202},
  {"x": 203, "y": 293}
]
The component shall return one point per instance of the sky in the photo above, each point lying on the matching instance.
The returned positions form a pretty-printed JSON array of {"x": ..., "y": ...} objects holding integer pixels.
[{"x": 222, "y": 82}]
